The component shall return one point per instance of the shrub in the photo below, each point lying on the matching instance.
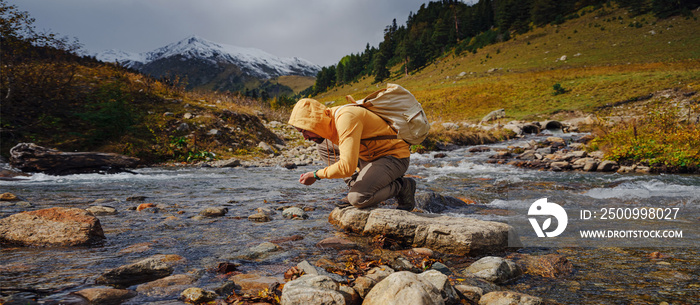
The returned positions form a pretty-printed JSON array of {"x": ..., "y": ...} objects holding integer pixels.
[
  {"x": 558, "y": 89},
  {"x": 662, "y": 139}
]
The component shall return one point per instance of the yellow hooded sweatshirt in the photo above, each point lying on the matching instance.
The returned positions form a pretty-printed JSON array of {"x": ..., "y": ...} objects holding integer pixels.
[{"x": 347, "y": 128}]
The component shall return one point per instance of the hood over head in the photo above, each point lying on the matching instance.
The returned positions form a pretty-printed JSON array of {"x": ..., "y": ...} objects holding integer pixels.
[{"x": 309, "y": 114}]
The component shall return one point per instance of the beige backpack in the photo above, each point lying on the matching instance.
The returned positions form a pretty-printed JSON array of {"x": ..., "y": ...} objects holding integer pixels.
[{"x": 400, "y": 109}]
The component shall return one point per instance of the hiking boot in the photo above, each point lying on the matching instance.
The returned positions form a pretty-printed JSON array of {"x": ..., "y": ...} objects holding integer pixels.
[
  {"x": 407, "y": 194},
  {"x": 343, "y": 203}
]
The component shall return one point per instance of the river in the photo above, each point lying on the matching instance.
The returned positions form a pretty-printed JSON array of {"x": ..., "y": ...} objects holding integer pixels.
[{"x": 607, "y": 271}]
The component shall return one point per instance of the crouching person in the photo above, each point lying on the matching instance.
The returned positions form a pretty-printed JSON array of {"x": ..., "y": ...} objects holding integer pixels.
[{"x": 365, "y": 142}]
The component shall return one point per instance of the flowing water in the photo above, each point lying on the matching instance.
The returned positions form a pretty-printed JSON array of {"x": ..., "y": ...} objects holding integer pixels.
[{"x": 617, "y": 271}]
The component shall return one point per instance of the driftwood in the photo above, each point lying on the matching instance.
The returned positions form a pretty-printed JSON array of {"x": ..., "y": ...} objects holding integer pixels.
[{"x": 29, "y": 157}]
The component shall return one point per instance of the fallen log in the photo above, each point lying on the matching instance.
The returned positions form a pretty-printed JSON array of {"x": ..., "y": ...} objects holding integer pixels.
[{"x": 29, "y": 157}]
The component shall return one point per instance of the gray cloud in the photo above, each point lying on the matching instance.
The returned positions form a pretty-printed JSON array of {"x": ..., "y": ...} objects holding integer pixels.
[{"x": 322, "y": 31}]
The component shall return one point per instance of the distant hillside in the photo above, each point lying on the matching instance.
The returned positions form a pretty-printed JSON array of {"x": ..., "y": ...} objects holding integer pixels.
[
  {"x": 208, "y": 65},
  {"x": 446, "y": 26},
  {"x": 605, "y": 55},
  {"x": 54, "y": 98}
]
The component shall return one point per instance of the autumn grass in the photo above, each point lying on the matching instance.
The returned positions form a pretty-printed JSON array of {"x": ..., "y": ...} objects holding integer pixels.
[
  {"x": 666, "y": 139},
  {"x": 296, "y": 82},
  {"x": 530, "y": 95},
  {"x": 462, "y": 136}
]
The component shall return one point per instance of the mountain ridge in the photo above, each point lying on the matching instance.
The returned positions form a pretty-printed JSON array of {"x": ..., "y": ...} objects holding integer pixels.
[{"x": 232, "y": 68}]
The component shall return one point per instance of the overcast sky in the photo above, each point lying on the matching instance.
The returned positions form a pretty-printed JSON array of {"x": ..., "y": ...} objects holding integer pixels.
[{"x": 321, "y": 31}]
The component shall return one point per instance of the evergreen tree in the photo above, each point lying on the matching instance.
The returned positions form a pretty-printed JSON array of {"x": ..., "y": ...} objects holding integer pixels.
[
  {"x": 544, "y": 11},
  {"x": 382, "y": 72},
  {"x": 667, "y": 8}
]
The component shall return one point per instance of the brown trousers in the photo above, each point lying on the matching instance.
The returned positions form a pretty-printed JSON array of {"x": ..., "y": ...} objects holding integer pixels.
[{"x": 376, "y": 180}]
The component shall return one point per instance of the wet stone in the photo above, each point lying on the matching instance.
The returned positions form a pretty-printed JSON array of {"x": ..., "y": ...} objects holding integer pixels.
[
  {"x": 259, "y": 217},
  {"x": 198, "y": 295},
  {"x": 336, "y": 243},
  {"x": 508, "y": 297},
  {"x": 294, "y": 213},
  {"x": 258, "y": 252},
  {"x": 143, "y": 271},
  {"x": 252, "y": 283},
  {"x": 213, "y": 212},
  {"x": 99, "y": 210},
  {"x": 8, "y": 197},
  {"x": 106, "y": 296},
  {"x": 51, "y": 227},
  {"x": 494, "y": 269},
  {"x": 167, "y": 286}
]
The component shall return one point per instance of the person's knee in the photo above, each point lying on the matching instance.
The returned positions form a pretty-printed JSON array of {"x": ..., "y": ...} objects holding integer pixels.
[{"x": 359, "y": 200}]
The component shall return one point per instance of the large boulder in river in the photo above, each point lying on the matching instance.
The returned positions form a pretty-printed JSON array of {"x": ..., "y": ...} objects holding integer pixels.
[
  {"x": 51, "y": 227},
  {"x": 30, "y": 157},
  {"x": 453, "y": 235}
]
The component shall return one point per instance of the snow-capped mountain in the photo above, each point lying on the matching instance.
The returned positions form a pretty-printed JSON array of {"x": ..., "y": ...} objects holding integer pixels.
[{"x": 194, "y": 55}]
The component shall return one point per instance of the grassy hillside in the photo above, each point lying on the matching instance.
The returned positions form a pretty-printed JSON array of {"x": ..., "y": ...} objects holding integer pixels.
[
  {"x": 587, "y": 65},
  {"x": 610, "y": 57},
  {"x": 295, "y": 82},
  {"x": 74, "y": 104}
]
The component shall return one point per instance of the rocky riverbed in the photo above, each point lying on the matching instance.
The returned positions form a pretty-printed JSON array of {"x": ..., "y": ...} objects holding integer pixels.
[{"x": 245, "y": 231}]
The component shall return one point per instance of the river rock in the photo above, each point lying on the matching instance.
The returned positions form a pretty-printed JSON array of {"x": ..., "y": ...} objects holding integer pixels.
[
  {"x": 471, "y": 293},
  {"x": 627, "y": 169},
  {"x": 642, "y": 169},
  {"x": 30, "y": 157},
  {"x": 259, "y": 217},
  {"x": 336, "y": 243},
  {"x": 590, "y": 165},
  {"x": 294, "y": 213},
  {"x": 51, "y": 227},
  {"x": 225, "y": 163},
  {"x": 314, "y": 289},
  {"x": 550, "y": 265},
  {"x": 558, "y": 140},
  {"x": 311, "y": 270},
  {"x": 260, "y": 251},
  {"x": 494, "y": 269},
  {"x": 167, "y": 286},
  {"x": 494, "y": 115},
  {"x": 559, "y": 165},
  {"x": 403, "y": 287},
  {"x": 100, "y": 210},
  {"x": 146, "y": 270},
  {"x": 442, "y": 283},
  {"x": 252, "y": 283},
  {"x": 8, "y": 197},
  {"x": 607, "y": 166},
  {"x": 479, "y": 149},
  {"x": 364, "y": 284},
  {"x": 198, "y": 295},
  {"x": 106, "y": 296},
  {"x": 213, "y": 212},
  {"x": 452, "y": 235},
  {"x": 436, "y": 203},
  {"x": 510, "y": 298}
]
